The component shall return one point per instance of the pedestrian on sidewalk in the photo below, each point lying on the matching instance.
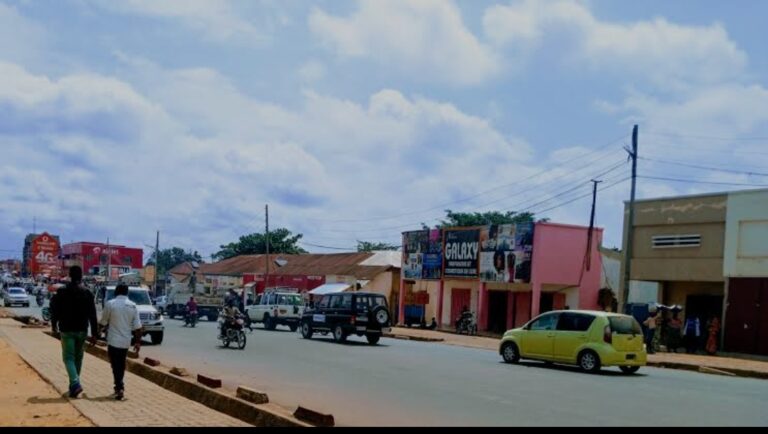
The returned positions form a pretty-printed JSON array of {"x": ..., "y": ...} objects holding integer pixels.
[
  {"x": 650, "y": 332},
  {"x": 691, "y": 333},
  {"x": 714, "y": 332},
  {"x": 73, "y": 309},
  {"x": 121, "y": 319}
]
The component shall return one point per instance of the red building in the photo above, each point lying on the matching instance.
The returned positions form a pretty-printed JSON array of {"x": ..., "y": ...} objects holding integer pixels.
[{"x": 93, "y": 257}]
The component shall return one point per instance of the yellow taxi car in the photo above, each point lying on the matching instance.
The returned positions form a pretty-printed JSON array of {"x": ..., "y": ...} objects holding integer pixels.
[{"x": 589, "y": 339}]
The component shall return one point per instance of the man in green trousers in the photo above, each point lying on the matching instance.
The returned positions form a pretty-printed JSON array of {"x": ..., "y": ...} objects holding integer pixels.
[{"x": 73, "y": 309}]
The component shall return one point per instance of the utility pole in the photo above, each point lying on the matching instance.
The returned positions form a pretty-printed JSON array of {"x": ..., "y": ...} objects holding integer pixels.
[
  {"x": 630, "y": 224},
  {"x": 34, "y": 225},
  {"x": 157, "y": 261},
  {"x": 266, "y": 279},
  {"x": 109, "y": 261},
  {"x": 591, "y": 223}
]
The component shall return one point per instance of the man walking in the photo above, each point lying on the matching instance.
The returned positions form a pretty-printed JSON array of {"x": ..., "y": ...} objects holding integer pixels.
[
  {"x": 72, "y": 310},
  {"x": 121, "y": 319}
]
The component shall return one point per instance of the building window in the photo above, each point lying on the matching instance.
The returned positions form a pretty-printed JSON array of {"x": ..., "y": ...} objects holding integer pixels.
[{"x": 675, "y": 241}]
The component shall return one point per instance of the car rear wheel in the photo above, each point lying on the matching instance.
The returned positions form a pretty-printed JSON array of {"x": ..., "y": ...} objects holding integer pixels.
[
  {"x": 510, "y": 353},
  {"x": 306, "y": 330},
  {"x": 629, "y": 369},
  {"x": 589, "y": 361},
  {"x": 373, "y": 338},
  {"x": 338, "y": 334}
]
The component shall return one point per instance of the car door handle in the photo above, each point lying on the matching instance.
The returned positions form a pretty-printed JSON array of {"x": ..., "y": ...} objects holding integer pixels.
[
  {"x": 583, "y": 337},
  {"x": 551, "y": 335}
]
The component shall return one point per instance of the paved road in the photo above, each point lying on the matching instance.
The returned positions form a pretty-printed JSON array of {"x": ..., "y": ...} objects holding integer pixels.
[{"x": 430, "y": 384}]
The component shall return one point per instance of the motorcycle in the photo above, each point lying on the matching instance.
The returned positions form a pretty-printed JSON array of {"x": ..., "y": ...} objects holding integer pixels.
[
  {"x": 231, "y": 331},
  {"x": 466, "y": 323},
  {"x": 190, "y": 319},
  {"x": 46, "y": 314}
]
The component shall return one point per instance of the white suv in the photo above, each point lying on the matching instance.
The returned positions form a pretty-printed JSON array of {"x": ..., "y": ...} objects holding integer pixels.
[
  {"x": 277, "y": 307},
  {"x": 151, "y": 319}
]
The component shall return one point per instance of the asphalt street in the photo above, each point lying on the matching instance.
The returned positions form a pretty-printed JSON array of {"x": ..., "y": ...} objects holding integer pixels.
[{"x": 411, "y": 383}]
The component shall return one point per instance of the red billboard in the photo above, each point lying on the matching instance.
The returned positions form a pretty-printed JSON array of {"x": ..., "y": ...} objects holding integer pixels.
[{"x": 45, "y": 256}]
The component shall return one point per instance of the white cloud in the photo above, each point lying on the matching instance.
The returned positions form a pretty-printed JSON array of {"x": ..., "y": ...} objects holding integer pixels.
[
  {"x": 20, "y": 38},
  {"x": 218, "y": 20},
  {"x": 669, "y": 54},
  {"x": 425, "y": 38},
  {"x": 312, "y": 71}
]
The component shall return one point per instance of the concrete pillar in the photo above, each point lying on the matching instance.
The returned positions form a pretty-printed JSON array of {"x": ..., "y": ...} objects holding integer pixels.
[
  {"x": 510, "y": 310},
  {"x": 535, "y": 298},
  {"x": 482, "y": 307},
  {"x": 401, "y": 302},
  {"x": 440, "y": 295}
]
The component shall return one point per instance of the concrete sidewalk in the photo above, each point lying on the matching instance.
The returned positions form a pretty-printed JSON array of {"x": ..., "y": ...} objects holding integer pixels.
[
  {"x": 146, "y": 403},
  {"x": 709, "y": 364}
]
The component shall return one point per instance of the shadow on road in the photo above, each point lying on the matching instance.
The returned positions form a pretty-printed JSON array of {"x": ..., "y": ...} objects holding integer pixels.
[
  {"x": 569, "y": 368},
  {"x": 329, "y": 340}
]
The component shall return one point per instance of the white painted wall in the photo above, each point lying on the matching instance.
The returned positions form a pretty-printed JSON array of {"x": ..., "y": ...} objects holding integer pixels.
[{"x": 746, "y": 234}]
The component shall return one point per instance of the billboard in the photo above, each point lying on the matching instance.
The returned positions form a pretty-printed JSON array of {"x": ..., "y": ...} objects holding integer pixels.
[
  {"x": 461, "y": 252},
  {"x": 505, "y": 253},
  {"x": 422, "y": 254},
  {"x": 45, "y": 256}
]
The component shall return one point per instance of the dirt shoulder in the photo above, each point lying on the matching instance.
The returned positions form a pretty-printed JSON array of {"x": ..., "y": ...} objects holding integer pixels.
[{"x": 27, "y": 400}]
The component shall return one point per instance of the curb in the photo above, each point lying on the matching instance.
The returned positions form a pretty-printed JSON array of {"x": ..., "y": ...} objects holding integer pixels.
[
  {"x": 239, "y": 409},
  {"x": 412, "y": 338},
  {"x": 711, "y": 370}
]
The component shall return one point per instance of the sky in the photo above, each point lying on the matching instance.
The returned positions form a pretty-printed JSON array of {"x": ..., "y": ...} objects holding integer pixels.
[{"x": 357, "y": 120}]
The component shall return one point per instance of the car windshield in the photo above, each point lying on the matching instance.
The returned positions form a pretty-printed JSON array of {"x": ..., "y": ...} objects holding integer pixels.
[
  {"x": 624, "y": 325},
  {"x": 135, "y": 295},
  {"x": 365, "y": 301},
  {"x": 16, "y": 291}
]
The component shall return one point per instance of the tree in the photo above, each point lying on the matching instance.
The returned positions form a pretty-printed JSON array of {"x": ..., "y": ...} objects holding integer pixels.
[
  {"x": 280, "y": 241},
  {"x": 172, "y": 257},
  {"x": 483, "y": 218},
  {"x": 368, "y": 246}
]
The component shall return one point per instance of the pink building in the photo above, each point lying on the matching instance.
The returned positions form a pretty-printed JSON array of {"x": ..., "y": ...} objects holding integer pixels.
[{"x": 561, "y": 274}]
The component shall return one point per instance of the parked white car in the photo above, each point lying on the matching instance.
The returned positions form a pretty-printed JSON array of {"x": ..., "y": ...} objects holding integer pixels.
[{"x": 161, "y": 302}]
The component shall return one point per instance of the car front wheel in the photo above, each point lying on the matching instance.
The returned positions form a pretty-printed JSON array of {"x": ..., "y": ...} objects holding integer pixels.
[{"x": 510, "y": 353}]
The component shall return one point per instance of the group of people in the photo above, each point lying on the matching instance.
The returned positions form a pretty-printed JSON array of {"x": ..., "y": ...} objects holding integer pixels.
[
  {"x": 73, "y": 314},
  {"x": 674, "y": 333}
]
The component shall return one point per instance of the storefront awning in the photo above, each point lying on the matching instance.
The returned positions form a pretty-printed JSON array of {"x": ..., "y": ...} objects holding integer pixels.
[{"x": 330, "y": 288}]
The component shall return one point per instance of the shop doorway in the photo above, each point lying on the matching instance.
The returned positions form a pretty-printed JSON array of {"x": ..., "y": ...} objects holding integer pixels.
[
  {"x": 497, "y": 311},
  {"x": 460, "y": 297},
  {"x": 546, "y": 302}
]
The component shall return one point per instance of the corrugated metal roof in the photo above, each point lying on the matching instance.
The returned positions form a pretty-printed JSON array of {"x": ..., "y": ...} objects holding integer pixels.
[{"x": 346, "y": 264}]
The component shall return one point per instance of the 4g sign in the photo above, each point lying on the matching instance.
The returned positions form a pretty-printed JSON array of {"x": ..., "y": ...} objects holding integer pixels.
[{"x": 45, "y": 255}]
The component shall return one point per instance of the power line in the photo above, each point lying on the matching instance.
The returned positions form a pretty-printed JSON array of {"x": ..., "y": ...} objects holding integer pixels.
[
  {"x": 604, "y": 171},
  {"x": 696, "y": 166},
  {"x": 468, "y": 198},
  {"x": 703, "y": 137},
  {"x": 304, "y": 243},
  {"x": 582, "y": 196},
  {"x": 695, "y": 181}
]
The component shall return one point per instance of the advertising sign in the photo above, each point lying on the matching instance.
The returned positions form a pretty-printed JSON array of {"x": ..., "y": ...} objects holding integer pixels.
[
  {"x": 422, "y": 254},
  {"x": 505, "y": 253},
  {"x": 461, "y": 252},
  {"x": 45, "y": 255}
]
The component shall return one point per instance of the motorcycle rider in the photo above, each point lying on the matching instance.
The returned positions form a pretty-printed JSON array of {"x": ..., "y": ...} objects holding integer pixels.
[
  {"x": 191, "y": 309},
  {"x": 230, "y": 314}
]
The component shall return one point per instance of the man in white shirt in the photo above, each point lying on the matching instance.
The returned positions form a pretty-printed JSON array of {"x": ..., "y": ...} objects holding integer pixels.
[{"x": 121, "y": 319}]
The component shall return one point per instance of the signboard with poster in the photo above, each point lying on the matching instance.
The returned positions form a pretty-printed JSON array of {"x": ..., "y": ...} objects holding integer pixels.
[
  {"x": 505, "y": 253},
  {"x": 422, "y": 254}
]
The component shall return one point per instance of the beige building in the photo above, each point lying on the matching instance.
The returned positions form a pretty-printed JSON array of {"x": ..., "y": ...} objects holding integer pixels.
[
  {"x": 708, "y": 253},
  {"x": 679, "y": 243}
]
